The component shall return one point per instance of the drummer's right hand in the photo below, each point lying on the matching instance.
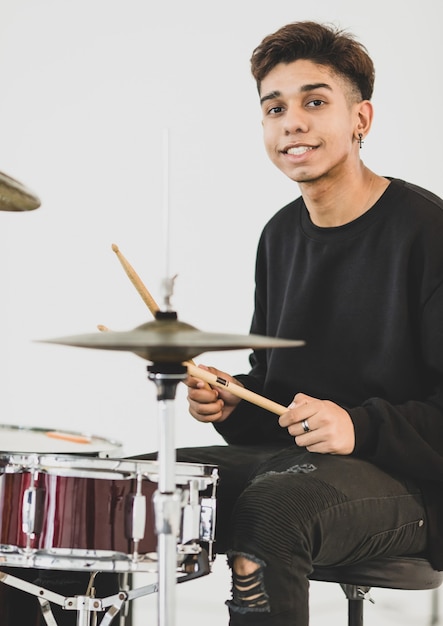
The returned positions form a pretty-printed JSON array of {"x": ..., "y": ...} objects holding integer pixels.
[{"x": 210, "y": 404}]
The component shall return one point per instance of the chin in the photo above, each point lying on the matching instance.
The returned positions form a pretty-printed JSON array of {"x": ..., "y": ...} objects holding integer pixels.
[{"x": 302, "y": 177}]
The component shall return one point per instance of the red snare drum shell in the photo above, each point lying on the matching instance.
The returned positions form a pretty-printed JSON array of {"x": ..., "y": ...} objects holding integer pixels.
[{"x": 76, "y": 513}]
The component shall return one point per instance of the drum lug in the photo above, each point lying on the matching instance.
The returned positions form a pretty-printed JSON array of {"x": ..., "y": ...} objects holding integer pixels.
[
  {"x": 167, "y": 513},
  {"x": 207, "y": 520},
  {"x": 138, "y": 517},
  {"x": 191, "y": 513},
  {"x": 32, "y": 516}
]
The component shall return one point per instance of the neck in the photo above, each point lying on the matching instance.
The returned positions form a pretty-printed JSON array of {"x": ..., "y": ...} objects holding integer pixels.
[{"x": 334, "y": 203}]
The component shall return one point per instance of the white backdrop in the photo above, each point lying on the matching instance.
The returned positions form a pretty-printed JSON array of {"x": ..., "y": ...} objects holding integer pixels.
[{"x": 87, "y": 88}]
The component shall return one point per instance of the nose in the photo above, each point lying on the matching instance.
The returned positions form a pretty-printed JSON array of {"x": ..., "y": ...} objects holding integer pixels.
[{"x": 295, "y": 120}]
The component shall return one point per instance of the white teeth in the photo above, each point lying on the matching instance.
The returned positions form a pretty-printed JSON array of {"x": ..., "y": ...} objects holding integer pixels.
[{"x": 299, "y": 150}]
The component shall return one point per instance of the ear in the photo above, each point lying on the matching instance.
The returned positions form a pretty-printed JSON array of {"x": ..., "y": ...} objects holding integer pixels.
[{"x": 365, "y": 114}]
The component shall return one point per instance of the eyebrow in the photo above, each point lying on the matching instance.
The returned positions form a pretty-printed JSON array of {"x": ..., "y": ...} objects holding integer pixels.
[{"x": 303, "y": 89}]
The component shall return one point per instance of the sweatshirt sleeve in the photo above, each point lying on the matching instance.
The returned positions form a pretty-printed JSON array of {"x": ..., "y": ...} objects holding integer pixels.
[{"x": 409, "y": 436}]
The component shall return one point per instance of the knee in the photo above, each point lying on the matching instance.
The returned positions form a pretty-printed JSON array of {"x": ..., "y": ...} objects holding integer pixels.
[
  {"x": 248, "y": 590},
  {"x": 244, "y": 566}
]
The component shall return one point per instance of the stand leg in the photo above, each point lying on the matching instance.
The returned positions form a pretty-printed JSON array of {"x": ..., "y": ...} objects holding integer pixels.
[
  {"x": 47, "y": 612},
  {"x": 355, "y": 612},
  {"x": 166, "y": 500}
]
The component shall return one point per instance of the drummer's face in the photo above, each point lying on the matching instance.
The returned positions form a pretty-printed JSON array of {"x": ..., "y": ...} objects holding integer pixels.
[{"x": 310, "y": 117}]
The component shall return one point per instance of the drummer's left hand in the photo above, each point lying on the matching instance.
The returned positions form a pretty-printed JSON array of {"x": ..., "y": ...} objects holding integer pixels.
[{"x": 331, "y": 430}]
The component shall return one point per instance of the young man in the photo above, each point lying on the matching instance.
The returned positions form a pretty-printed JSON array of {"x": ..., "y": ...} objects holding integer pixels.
[{"x": 354, "y": 267}]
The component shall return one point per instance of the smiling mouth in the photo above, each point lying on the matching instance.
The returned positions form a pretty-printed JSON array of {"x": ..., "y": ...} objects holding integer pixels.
[{"x": 298, "y": 150}]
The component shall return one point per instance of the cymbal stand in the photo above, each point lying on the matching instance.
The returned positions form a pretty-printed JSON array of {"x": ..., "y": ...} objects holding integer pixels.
[{"x": 166, "y": 376}]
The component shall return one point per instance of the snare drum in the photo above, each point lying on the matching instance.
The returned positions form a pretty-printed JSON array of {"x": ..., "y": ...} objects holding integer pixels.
[
  {"x": 82, "y": 513},
  {"x": 48, "y": 441}
]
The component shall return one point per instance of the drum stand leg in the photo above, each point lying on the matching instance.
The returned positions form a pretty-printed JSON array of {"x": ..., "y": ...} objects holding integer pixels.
[
  {"x": 166, "y": 376},
  {"x": 44, "y": 595},
  {"x": 86, "y": 606}
]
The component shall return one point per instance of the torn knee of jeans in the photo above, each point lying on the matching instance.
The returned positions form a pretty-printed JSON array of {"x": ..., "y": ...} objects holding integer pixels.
[
  {"x": 304, "y": 468},
  {"x": 248, "y": 591}
]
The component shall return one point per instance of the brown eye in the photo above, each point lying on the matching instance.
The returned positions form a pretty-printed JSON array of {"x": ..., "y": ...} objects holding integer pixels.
[{"x": 315, "y": 103}]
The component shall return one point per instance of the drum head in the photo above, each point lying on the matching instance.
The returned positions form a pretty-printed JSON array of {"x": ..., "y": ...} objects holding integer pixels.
[{"x": 21, "y": 439}]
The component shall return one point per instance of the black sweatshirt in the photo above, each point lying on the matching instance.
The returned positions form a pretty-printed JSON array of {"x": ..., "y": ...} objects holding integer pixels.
[{"x": 367, "y": 298}]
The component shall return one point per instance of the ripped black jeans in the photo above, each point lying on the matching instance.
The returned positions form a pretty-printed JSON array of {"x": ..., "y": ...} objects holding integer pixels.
[{"x": 288, "y": 509}]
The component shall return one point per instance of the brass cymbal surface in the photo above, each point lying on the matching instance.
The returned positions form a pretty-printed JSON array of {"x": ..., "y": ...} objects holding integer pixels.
[
  {"x": 171, "y": 341},
  {"x": 16, "y": 197}
]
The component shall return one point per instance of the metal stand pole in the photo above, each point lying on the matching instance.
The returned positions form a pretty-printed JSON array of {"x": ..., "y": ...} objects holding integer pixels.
[
  {"x": 435, "y": 613},
  {"x": 166, "y": 376}
]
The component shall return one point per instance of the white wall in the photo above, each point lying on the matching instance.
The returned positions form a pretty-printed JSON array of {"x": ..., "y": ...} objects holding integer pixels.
[{"x": 87, "y": 88}]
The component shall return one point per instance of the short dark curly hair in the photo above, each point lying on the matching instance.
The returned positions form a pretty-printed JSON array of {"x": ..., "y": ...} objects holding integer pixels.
[{"x": 324, "y": 44}]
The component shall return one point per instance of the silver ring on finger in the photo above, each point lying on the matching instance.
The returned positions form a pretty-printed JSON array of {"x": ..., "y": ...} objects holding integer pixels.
[{"x": 305, "y": 426}]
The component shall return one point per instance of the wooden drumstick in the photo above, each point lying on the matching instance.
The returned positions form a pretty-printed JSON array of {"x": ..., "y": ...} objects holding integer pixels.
[
  {"x": 136, "y": 281},
  {"x": 235, "y": 389}
]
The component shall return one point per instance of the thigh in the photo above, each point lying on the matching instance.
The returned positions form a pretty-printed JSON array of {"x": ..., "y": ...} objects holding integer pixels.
[{"x": 343, "y": 508}]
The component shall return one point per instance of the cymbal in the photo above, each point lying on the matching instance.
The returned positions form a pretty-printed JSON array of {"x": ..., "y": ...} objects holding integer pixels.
[
  {"x": 16, "y": 197},
  {"x": 171, "y": 341}
]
